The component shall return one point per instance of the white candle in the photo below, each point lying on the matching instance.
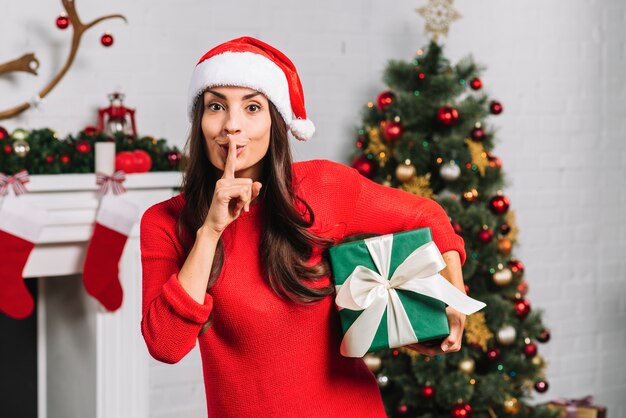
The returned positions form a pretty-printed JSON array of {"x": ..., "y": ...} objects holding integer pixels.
[{"x": 105, "y": 157}]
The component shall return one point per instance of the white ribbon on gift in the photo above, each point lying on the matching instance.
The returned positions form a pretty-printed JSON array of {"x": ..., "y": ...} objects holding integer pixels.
[{"x": 374, "y": 292}]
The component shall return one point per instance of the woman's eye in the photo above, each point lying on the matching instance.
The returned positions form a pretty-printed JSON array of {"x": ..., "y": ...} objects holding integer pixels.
[
  {"x": 214, "y": 106},
  {"x": 254, "y": 108}
]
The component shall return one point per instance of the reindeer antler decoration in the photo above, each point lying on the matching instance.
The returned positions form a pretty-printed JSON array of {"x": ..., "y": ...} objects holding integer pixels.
[{"x": 29, "y": 63}]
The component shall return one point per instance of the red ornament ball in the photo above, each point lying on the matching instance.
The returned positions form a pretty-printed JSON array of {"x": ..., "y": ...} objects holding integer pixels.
[
  {"x": 505, "y": 228},
  {"x": 516, "y": 267},
  {"x": 65, "y": 159},
  {"x": 3, "y": 133},
  {"x": 544, "y": 337},
  {"x": 392, "y": 131},
  {"x": 366, "y": 167},
  {"x": 62, "y": 22},
  {"x": 83, "y": 146},
  {"x": 461, "y": 411},
  {"x": 523, "y": 287},
  {"x": 106, "y": 39},
  {"x": 447, "y": 115},
  {"x": 457, "y": 228},
  {"x": 530, "y": 350},
  {"x": 8, "y": 149},
  {"x": 494, "y": 161},
  {"x": 90, "y": 130},
  {"x": 49, "y": 159},
  {"x": 495, "y": 107},
  {"x": 143, "y": 161},
  {"x": 173, "y": 158},
  {"x": 542, "y": 386},
  {"x": 428, "y": 392},
  {"x": 499, "y": 204},
  {"x": 485, "y": 235},
  {"x": 493, "y": 353},
  {"x": 522, "y": 308},
  {"x": 125, "y": 161},
  {"x": 402, "y": 409},
  {"x": 476, "y": 83},
  {"x": 384, "y": 99},
  {"x": 478, "y": 134}
]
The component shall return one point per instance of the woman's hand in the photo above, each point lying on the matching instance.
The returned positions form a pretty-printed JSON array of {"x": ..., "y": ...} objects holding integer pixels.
[
  {"x": 452, "y": 343},
  {"x": 231, "y": 195}
]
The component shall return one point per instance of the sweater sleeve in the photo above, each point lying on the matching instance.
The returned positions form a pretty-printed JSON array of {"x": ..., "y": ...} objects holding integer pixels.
[
  {"x": 385, "y": 210},
  {"x": 171, "y": 318}
]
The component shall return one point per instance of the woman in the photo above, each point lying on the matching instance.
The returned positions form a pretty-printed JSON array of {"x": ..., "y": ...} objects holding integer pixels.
[{"x": 237, "y": 260}]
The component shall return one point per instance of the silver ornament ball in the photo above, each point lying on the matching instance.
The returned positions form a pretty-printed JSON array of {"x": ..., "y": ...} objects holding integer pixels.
[
  {"x": 450, "y": 171},
  {"x": 506, "y": 335}
]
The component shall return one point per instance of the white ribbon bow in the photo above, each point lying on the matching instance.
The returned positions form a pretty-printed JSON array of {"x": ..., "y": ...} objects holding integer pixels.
[{"x": 367, "y": 290}]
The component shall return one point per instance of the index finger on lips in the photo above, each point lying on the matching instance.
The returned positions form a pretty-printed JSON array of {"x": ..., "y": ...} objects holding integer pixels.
[{"x": 231, "y": 161}]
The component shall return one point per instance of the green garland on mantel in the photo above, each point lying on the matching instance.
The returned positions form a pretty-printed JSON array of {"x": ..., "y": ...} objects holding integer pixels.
[{"x": 41, "y": 151}]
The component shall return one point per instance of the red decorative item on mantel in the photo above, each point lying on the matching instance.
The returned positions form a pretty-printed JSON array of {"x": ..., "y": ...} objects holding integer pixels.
[{"x": 117, "y": 118}]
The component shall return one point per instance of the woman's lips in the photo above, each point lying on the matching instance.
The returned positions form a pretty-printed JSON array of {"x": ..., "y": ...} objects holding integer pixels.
[{"x": 225, "y": 149}]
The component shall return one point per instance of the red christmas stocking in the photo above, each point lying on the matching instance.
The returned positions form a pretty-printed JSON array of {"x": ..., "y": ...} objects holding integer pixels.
[
  {"x": 20, "y": 228},
  {"x": 114, "y": 221}
]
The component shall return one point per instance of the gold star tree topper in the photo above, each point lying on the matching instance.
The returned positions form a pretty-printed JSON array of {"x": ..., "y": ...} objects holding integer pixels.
[{"x": 439, "y": 14}]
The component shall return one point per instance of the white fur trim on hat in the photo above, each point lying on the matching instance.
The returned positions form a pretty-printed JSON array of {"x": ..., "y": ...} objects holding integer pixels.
[
  {"x": 242, "y": 69},
  {"x": 302, "y": 129}
]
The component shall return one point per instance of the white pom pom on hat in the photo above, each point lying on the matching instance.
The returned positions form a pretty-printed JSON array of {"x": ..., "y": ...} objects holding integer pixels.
[{"x": 248, "y": 62}]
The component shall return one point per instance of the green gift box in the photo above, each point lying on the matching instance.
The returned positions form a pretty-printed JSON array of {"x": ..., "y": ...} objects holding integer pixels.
[{"x": 390, "y": 292}]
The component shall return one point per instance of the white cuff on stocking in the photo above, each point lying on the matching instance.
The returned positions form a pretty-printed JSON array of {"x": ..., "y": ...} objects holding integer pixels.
[
  {"x": 22, "y": 219},
  {"x": 117, "y": 213}
]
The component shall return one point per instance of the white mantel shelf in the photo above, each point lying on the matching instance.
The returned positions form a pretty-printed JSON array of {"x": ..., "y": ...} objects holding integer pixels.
[
  {"x": 75, "y": 182},
  {"x": 112, "y": 347}
]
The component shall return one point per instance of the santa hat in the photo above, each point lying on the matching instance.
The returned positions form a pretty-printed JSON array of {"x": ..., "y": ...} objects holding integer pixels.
[{"x": 248, "y": 62}]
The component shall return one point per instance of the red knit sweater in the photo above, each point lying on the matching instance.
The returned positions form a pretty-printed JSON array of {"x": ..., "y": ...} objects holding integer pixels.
[{"x": 265, "y": 356}]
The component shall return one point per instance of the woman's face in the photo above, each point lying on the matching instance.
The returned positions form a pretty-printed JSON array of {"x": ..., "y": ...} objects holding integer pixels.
[{"x": 241, "y": 115}]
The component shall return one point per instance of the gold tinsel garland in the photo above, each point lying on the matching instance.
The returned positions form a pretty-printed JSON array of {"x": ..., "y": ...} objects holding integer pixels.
[
  {"x": 510, "y": 219},
  {"x": 377, "y": 147},
  {"x": 479, "y": 156},
  {"x": 419, "y": 185},
  {"x": 476, "y": 330}
]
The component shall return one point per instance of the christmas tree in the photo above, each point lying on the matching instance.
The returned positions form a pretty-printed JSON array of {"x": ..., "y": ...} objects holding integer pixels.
[{"x": 427, "y": 134}]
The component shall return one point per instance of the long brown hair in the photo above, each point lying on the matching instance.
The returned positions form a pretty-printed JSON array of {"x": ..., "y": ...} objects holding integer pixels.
[{"x": 286, "y": 245}]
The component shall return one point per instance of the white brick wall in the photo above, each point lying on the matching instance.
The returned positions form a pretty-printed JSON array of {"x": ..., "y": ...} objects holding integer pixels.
[{"x": 557, "y": 66}]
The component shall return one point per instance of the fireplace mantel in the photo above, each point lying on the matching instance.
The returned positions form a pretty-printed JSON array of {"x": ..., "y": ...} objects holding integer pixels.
[{"x": 118, "y": 388}]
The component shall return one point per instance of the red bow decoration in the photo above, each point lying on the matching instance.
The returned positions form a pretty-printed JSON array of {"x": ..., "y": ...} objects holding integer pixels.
[
  {"x": 572, "y": 404},
  {"x": 17, "y": 181},
  {"x": 113, "y": 182}
]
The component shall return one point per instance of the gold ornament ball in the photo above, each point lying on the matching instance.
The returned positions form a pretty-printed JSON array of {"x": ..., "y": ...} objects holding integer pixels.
[
  {"x": 374, "y": 363},
  {"x": 538, "y": 361},
  {"x": 503, "y": 277},
  {"x": 467, "y": 365},
  {"x": 506, "y": 335},
  {"x": 470, "y": 195},
  {"x": 405, "y": 172},
  {"x": 504, "y": 246},
  {"x": 20, "y": 134},
  {"x": 511, "y": 406},
  {"x": 21, "y": 148}
]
